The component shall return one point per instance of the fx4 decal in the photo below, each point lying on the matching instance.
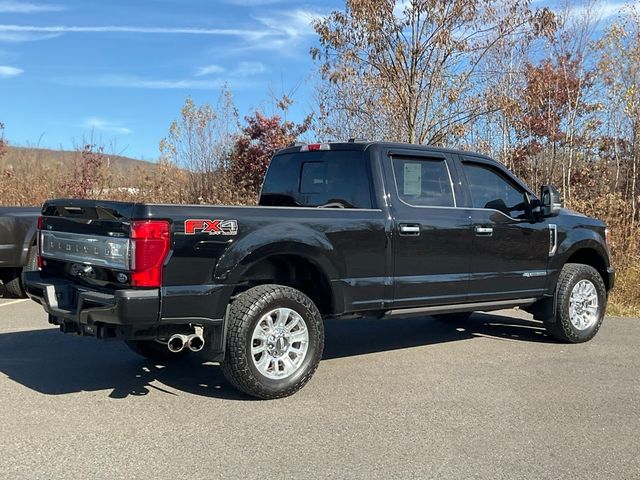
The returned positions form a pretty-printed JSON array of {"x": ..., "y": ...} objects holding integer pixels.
[{"x": 212, "y": 227}]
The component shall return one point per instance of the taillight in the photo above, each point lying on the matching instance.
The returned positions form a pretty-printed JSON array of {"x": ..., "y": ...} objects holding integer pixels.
[
  {"x": 39, "y": 242},
  {"x": 150, "y": 244}
]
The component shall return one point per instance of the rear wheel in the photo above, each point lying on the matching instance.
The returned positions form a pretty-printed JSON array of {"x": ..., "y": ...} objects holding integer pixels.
[
  {"x": 155, "y": 350},
  {"x": 581, "y": 301},
  {"x": 275, "y": 341},
  {"x": 14, "y": 285}
]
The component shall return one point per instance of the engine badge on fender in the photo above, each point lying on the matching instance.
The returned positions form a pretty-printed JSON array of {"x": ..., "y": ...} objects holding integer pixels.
[{"x": 212, "y": 227}]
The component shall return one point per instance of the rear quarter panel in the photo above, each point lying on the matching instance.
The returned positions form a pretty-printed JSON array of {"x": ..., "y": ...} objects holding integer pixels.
[{"x": 348, "y": 245}]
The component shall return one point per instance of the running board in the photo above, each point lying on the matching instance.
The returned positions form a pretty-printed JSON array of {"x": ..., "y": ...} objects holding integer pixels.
[{"x": 464, "y": 307}]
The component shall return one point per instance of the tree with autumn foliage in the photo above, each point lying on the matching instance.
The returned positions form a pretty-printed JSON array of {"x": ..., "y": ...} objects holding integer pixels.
[
  {"x": 255, "y": 145},
  {"x": 88, "y": 178},
  {"x": 553, "y": 102}
]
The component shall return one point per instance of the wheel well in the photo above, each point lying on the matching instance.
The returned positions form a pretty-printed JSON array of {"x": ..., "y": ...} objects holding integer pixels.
[
  {"x": 293, "y": 271},
  {"x": 588, "y": 256}
]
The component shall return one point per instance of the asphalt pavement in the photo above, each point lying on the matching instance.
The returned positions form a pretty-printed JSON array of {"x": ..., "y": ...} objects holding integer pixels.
[{"x": 397, "y": 398}]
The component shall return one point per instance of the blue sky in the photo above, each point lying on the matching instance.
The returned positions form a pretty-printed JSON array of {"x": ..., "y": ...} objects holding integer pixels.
[{"x": 123, "y": 68}]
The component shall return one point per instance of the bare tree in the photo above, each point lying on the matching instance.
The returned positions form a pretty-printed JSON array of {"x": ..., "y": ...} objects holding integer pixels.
[
  {"x": 619, "y": 68},
  {"x": 407, "y": 70},
  {"x": 201, "y": 142}
]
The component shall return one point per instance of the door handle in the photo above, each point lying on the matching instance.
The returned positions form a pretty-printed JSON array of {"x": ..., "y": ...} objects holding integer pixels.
[
  {"x": 485, "y": 231},
  {"x": 409, "y": 229}
]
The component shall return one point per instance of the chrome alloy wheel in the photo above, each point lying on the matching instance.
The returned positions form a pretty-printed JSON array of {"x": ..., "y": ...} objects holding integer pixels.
[
  {"x": 583, "y": 305},
  {"x": 279, "y": 343}
]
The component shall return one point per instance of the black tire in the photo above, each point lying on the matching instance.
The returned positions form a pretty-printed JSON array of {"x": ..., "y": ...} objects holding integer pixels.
[
  {"x": 560, "y": 327},
  {"x": 244, "y": 315},
  {"x": 453, "y": 317},
  {"x": 156, "y": 351},
  {"x": 14, "y": 285}
]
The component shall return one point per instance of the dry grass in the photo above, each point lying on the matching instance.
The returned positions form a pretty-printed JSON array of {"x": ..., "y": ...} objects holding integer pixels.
[
  {"x": 625, "y": 248},
  {"x": 625, "y": 298}
]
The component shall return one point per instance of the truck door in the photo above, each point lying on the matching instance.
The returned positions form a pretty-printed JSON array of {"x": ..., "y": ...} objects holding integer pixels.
[
  {"x": 510, "y": 248},
  {"x": 431, "y": 239}
]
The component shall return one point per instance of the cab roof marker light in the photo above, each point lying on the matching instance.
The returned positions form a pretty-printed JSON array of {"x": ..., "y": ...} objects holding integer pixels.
[{"x": 314, "y": 147}]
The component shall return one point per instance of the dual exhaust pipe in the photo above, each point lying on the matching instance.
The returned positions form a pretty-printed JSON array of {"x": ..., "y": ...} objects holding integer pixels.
[{"x": 179, "y": 341}]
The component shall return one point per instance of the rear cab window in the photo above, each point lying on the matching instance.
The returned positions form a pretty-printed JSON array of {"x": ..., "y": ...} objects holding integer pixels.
[{"x": 329, "y": 179}]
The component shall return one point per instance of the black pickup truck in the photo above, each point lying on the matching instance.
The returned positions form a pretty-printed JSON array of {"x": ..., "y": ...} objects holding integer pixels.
[{"x": 342, "y": 229}]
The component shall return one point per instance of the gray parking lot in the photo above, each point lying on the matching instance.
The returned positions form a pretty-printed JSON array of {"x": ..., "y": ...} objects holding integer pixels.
[{"x": 491, "y": 398}]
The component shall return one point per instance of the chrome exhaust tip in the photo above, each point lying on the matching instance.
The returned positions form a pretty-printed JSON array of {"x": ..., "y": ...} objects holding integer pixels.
[
  {"x": 177, "y": 342},
  {"x": 195, "y": 343}
]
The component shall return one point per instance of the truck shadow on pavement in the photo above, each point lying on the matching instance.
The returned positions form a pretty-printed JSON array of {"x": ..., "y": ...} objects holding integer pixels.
[{"x": 53, "y": 364}]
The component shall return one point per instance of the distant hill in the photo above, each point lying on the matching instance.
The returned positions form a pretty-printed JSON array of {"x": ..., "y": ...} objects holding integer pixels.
[{"x": 16, "y": 156}]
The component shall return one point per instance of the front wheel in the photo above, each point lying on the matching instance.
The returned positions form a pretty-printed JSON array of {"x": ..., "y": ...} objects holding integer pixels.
[
  {"x": 581, "y": 298},
  {"x": 274, "y": 343}
]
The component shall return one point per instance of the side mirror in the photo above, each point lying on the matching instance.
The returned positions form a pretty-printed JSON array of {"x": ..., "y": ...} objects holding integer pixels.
[{"x": 550, "y": 201}]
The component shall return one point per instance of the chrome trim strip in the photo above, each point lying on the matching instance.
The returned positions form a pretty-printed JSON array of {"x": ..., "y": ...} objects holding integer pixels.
[
  {"x": 463, "y": 307},
  {"x": 553, "y": 239},
  {"x": 535, "y": 273}
]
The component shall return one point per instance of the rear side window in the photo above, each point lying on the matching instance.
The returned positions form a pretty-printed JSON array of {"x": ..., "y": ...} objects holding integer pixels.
[
  {"x": 423, "y": 182},
  {"x": 335, "y": 178}
]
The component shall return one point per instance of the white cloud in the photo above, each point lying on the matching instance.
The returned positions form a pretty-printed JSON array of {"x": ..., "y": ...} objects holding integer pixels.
[
  {"x": 291, "y": 24},
  {"x": 242, "y": 70},
  {"x": 20, "y": 37},
  {"x": 102, "y": 125},
  {"x": 247, "y": 69},
  {"x": 604, "y": 10},
  {"x": 208, "y": 70},
  {"x": 281, "y": 30},
  {"x": 133, "y": 81},
  {"x": 10, "y": 6},
  {"x": 60, "y": 29},
  {"x": 8, "y": 72},
  {"x": 285, "y": 32}
]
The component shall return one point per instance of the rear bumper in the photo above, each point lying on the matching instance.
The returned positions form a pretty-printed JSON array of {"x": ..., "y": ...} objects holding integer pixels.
[{"x": 90, "y": 312}]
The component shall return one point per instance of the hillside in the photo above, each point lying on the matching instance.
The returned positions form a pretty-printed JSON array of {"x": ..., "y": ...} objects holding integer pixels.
[{"x": 20, "y": 156}]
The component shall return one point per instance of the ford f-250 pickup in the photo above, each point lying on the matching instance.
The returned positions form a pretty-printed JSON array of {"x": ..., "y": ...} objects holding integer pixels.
[{"x": 341, "y": 229}]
